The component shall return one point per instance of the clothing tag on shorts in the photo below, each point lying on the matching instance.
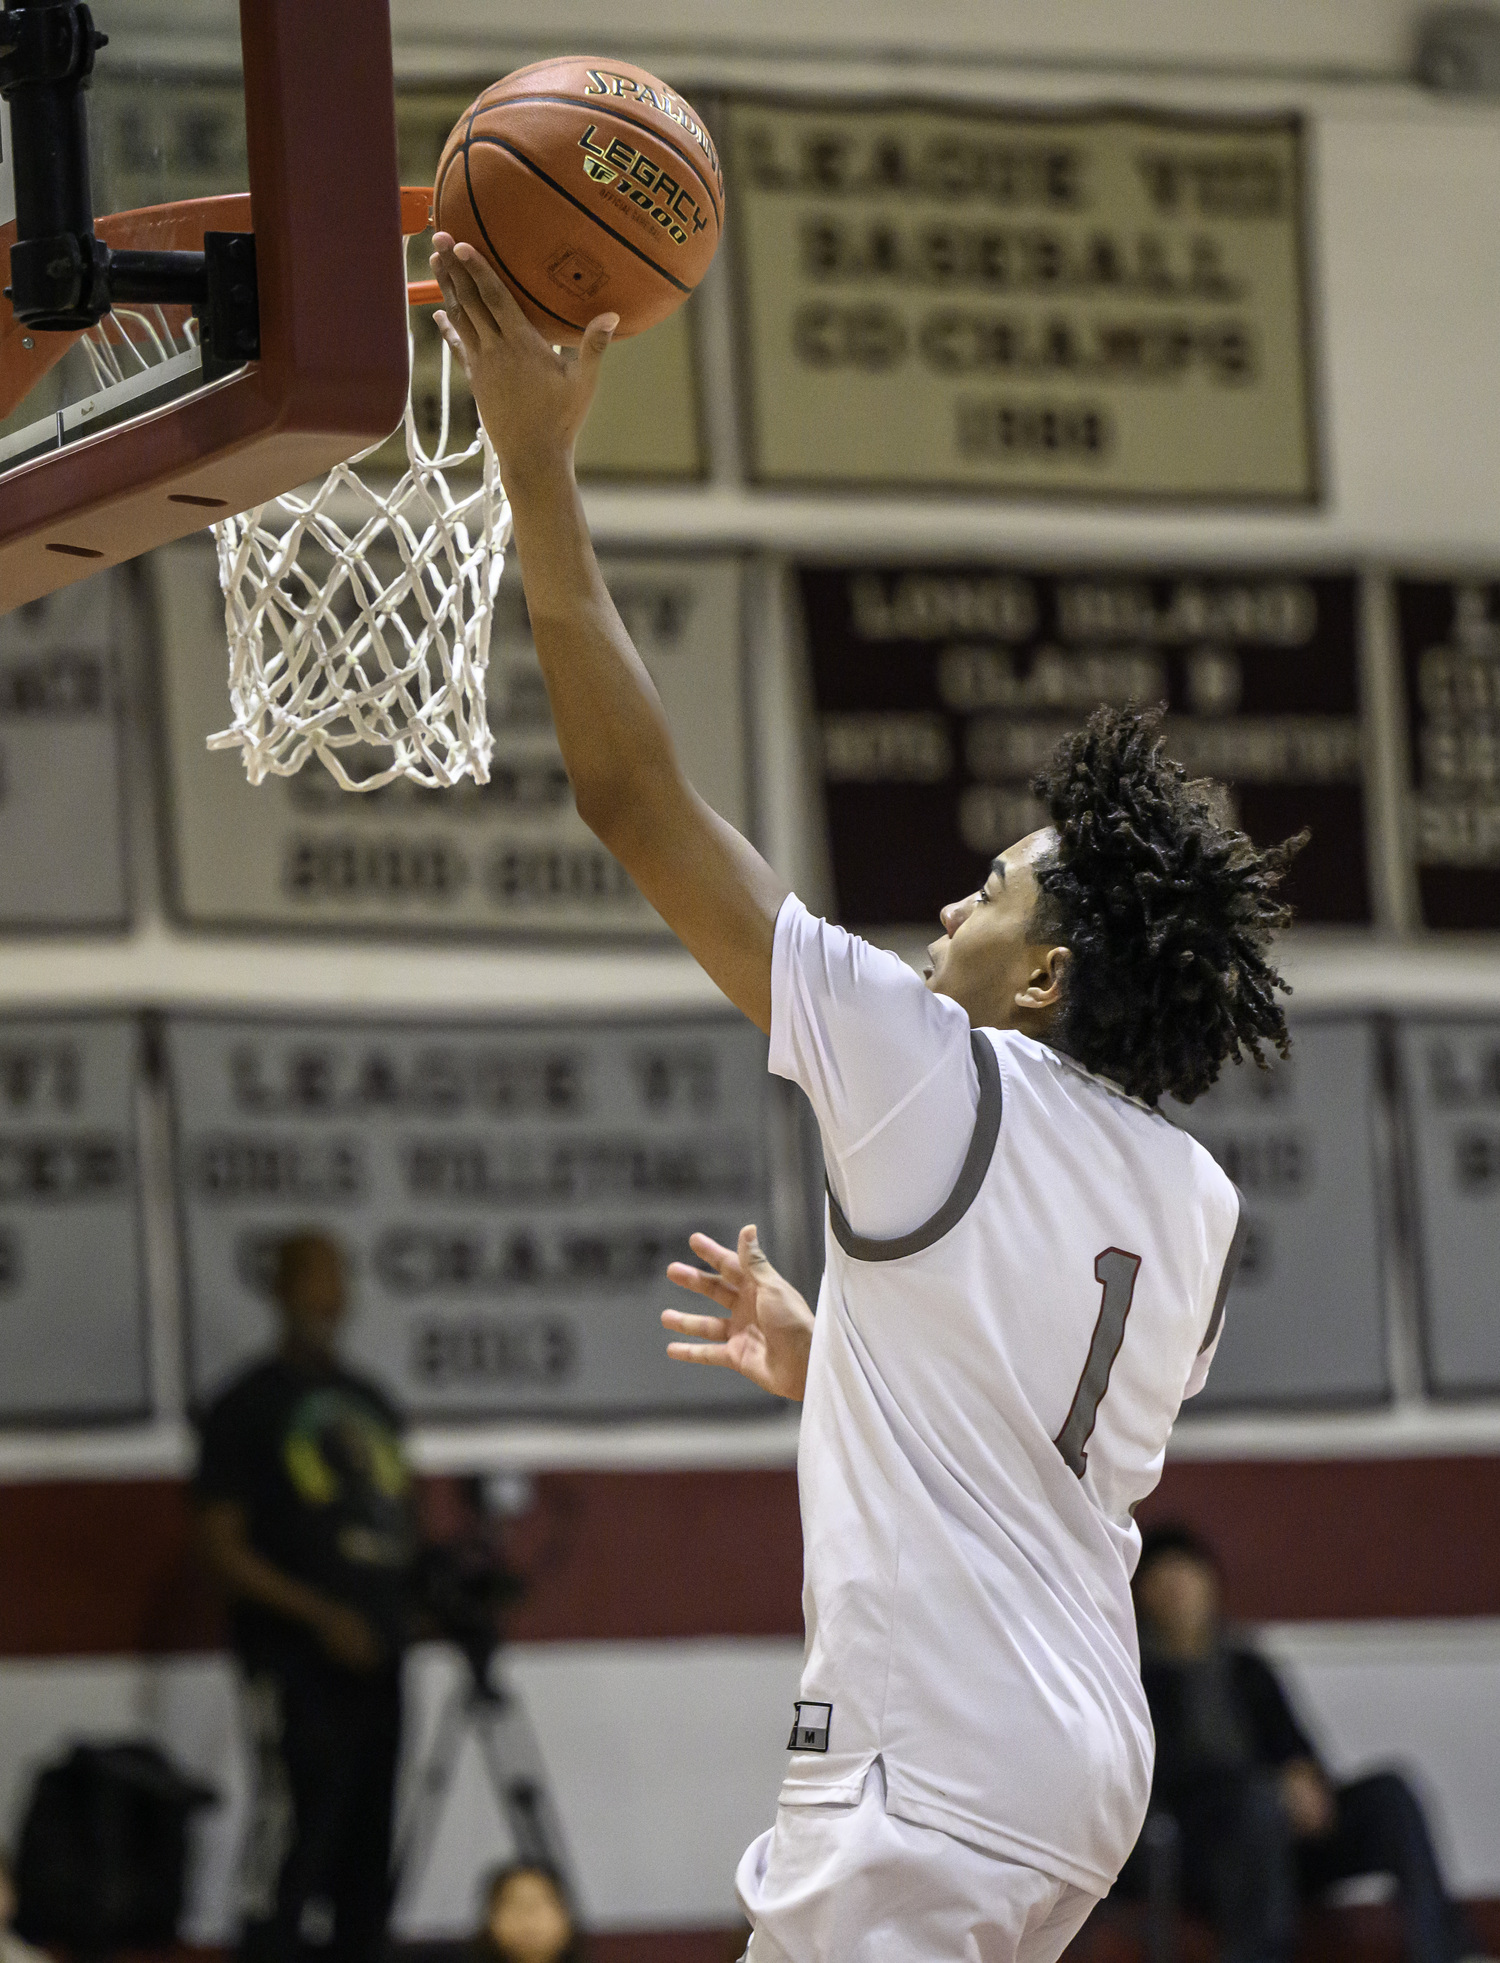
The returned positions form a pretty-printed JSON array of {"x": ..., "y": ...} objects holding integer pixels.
[{"x": 810, "y": 1731}]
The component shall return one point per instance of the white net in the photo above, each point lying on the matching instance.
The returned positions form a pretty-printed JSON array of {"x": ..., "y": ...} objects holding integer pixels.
[
  {"x": 359, "y": 620},
  {"x": 131, "y": 341}
]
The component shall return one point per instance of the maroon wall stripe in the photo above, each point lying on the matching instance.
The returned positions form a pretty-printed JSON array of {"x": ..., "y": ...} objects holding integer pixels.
[
  {"x": 102, "y": 1567},
  {"x": 1113, "y": 1935},
  {"x": 1345, "y": 1539}
]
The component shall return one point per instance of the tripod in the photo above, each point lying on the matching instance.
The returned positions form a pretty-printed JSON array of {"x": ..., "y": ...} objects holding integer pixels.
[{"x": 484, "y": 1708}]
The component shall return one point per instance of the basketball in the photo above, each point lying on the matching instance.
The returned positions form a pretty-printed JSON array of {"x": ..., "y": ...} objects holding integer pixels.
[{"x": 591, "y": 187}]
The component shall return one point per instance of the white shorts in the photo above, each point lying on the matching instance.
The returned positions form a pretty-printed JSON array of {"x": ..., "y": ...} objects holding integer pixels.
[{"x": 850, "y": 1883}]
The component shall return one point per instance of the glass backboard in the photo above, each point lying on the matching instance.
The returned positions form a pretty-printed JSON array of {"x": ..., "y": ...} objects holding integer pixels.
[
  {"x": 178, "y": 115},
  {"x": 118, "y": 440},
  {"x": 165, "y": 125}
]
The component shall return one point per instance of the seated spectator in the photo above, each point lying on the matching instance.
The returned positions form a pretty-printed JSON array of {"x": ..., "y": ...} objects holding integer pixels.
[
  {"x": 1262, "y": 1827},
  {"x": 527, "y": 1918}
]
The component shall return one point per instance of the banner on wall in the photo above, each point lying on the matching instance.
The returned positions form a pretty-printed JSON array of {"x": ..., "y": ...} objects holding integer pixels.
[
  {"x": 1098, "y": 301},
  {"x": 72, "y": 1296},
  {"x": 1305, "y": 1319},
  {"x": 62, "y": 794},
  {"x": 941, "y": 690},
  {"x": 508, "y": 1196},
  {"x": 510, "y": 854},
  {"x": 1449, "y": 634},
  {"x": 1450, "y": 1078}
]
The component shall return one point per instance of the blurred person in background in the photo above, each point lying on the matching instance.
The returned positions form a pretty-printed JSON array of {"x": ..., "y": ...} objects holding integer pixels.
[
  {"x": 13, "y": 1949},
  {"x": 527, "y": 1918},
  {"x": 1262, "y": 1827},
  {"x": 306, "y": 1518}
]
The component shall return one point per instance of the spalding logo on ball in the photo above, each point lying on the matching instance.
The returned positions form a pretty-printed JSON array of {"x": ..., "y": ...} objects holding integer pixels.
[{"x": 591, "y": 188}]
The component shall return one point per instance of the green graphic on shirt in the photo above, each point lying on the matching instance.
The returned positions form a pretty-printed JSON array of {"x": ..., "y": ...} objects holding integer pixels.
[{"x": 338, "y": 1451}]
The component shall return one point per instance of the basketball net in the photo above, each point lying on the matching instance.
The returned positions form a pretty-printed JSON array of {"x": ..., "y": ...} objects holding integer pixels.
[{"x": 359, "y": 620}]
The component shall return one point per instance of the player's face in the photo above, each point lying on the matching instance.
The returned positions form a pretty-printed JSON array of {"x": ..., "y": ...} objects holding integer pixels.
[{"x": 987, "y": 960}]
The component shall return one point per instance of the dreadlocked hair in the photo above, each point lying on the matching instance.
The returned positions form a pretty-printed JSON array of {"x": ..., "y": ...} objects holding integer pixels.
[{"x": 1167, "y": 914}]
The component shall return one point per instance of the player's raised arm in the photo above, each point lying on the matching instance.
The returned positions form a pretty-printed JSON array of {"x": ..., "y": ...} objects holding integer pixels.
[{"x": 710, "y": 885}]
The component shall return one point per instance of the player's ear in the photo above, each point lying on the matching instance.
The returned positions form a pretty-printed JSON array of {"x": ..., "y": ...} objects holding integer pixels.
[{"x": 1044, "y": 985}]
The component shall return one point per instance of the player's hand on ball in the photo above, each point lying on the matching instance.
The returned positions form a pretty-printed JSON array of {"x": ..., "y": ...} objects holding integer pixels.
[
  {"x": 768, "y": 1329},
  {"x": 531, "y": 399}
]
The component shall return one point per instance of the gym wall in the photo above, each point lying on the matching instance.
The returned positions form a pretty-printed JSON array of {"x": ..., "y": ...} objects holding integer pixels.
[{"x": 199, "y": 1045}]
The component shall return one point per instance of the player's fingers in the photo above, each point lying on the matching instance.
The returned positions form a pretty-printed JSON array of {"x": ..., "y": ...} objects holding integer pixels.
[
  {"x": 458, "y": 275},
  {"x": 751, "y": 1255},
  {"x": 496, "y": 295},
  {"x": 453, "y": 304},
  {"x": 701, "y": 1283},
  {"x": 700, "y": 1353},
  {"x": 452, "y": 335},
  {"x": 707, "y": 1328},
  {"x": 596, "y": 338},
  {"x": 723, "y": 1258},
  {"x": 444, "y": 267},
  {"x": 438, "y": 261}
]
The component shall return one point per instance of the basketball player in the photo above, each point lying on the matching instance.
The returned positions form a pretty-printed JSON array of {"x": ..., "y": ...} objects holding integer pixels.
[{"x": 1026, "y": 1268}]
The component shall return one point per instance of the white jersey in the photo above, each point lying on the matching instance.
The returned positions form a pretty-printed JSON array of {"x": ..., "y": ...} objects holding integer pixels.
[{"x": 989, "y": 1396}]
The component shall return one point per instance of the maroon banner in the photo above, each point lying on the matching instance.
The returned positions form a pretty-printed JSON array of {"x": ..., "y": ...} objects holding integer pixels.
[
  {"x": 1449, "y": 634},
  {"x": 941, "y": 690}
]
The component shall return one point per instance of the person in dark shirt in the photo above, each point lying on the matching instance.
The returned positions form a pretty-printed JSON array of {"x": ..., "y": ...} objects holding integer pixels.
[
  {"x": 306, "y": 1518},
  {"x": 1261, "y": 1825}
]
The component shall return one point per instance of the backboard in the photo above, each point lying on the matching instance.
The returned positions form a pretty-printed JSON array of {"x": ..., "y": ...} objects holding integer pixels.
[{"x": 118, "y": 441}]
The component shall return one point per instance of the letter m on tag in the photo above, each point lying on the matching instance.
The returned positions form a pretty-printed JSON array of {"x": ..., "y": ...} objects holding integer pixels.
[{"x": 810, "y": 1728}]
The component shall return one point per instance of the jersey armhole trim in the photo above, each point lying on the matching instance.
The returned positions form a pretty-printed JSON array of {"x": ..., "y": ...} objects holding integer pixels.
[
  {"x": 1231, "y": 1264},
  {"x": 859, "y": 1247}
]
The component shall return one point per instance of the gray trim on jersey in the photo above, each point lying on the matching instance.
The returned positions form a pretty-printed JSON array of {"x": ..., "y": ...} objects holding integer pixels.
[
  {"x": 1231, "y": 1263},
  {"x": 971, "y": 1175}
]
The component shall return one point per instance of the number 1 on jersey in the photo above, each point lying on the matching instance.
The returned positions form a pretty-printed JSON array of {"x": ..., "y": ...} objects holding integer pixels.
[{"x": 1115, "y": 1271}]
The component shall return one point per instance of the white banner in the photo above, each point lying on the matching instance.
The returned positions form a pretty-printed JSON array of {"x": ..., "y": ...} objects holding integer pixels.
[
  {"x": 1098, "y": 301},
  {"x": 62, "y": 819},
  {"x": 1450, "y": 1080},
  {"x": 1305, "y": 1322},
  {"x": 508, "y": 1197},
  {"x": 512, "y": 854},
  {"x": 72, "y": 1300}
]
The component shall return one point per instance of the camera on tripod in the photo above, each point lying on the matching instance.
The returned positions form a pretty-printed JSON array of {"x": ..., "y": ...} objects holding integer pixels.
[{"x": 462, "y": 1588}]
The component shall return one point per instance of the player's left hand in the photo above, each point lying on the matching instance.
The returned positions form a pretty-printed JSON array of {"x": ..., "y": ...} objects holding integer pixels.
[
  {"x": 532, "y": 399},
  {"x": 767, "y": 1333}
]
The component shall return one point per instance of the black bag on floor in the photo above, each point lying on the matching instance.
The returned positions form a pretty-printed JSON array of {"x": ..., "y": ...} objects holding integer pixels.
[{"x": 103, "y": 1850}]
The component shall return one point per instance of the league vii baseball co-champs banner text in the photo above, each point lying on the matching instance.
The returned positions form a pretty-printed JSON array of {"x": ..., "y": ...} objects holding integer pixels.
[{"x": 1099, "y": 301}]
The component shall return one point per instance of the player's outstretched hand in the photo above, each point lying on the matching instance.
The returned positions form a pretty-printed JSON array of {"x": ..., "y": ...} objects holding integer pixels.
[
  {"x": 531, "y": 399},
  {"x": 768, "y": 1330}
]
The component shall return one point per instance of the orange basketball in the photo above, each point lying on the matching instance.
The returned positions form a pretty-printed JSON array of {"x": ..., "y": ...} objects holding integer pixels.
[{"x": 590, "y": 186}]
